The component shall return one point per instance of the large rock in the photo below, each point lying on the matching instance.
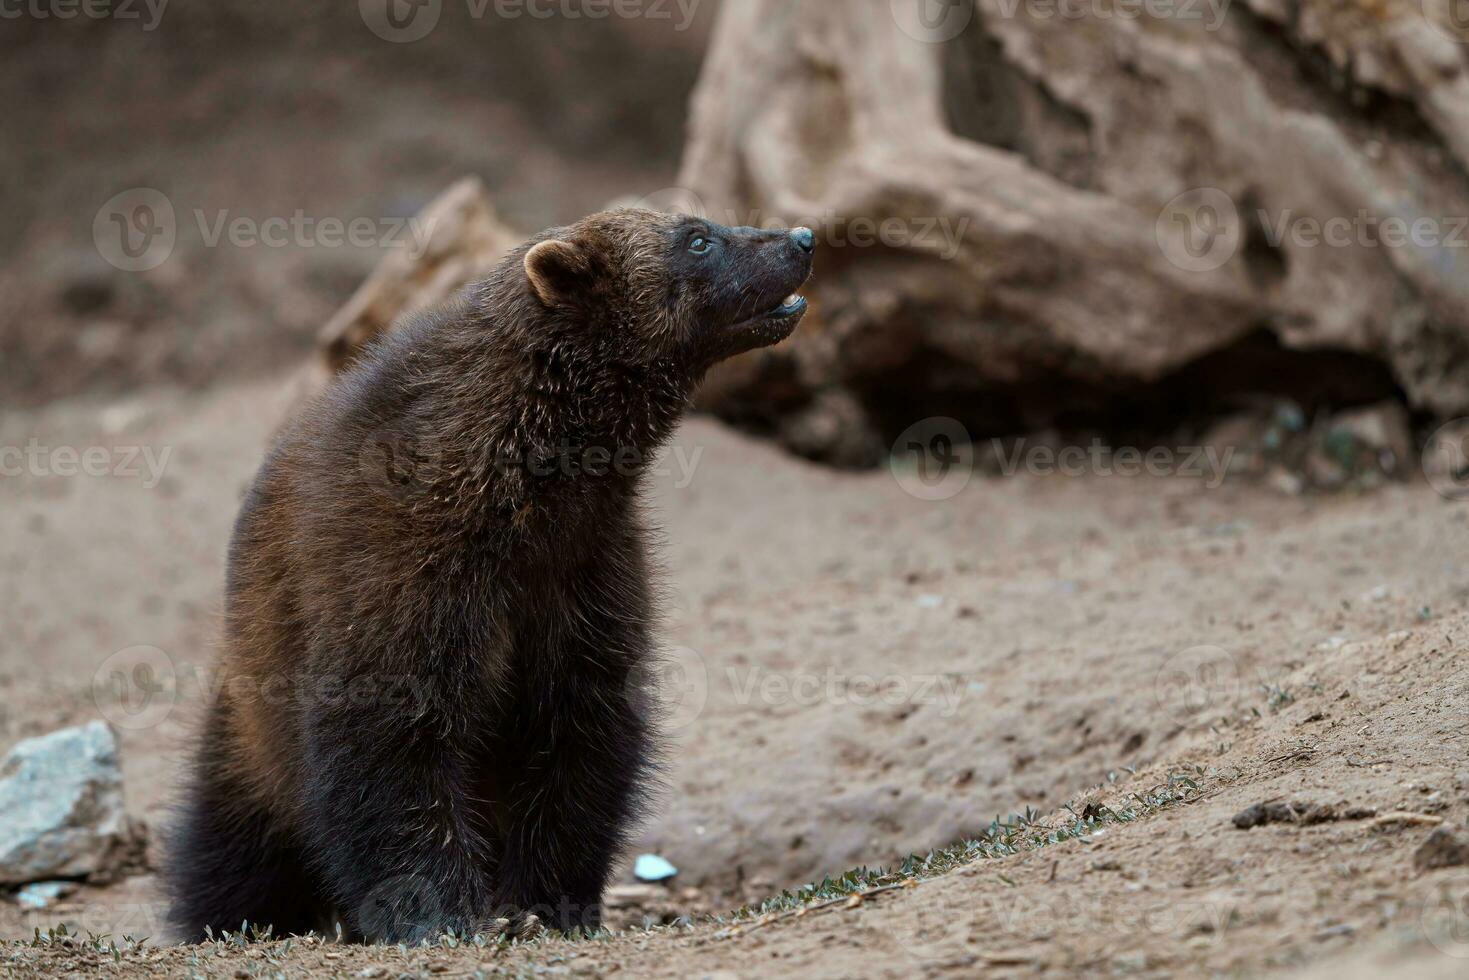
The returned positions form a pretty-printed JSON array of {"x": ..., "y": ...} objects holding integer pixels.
[
  {"x": 1041, "y": 215},
  {"x": 1032, "y": 211},
  {"x": 465, "y": 239},
  {"x": 61, "y": 807}
]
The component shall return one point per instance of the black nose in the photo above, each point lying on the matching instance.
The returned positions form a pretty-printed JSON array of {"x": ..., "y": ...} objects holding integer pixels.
[{"x": 804, "y": 238}]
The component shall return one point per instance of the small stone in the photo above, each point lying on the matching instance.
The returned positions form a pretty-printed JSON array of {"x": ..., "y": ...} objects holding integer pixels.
[
  {"x": 1314, "y": 813},
  {"x": 651, "y": 867},
  {"x": 61, "y": 808},
  {"x": 1261, "y": 814},
  {"x": 1282, "y": 812},
  {"x": 1286, "y": 482},
  {"x": 44, "y": 894},
  {"x": 90, "y": 284},
  {"x": 1442, "y": 849},
  {"x": 373, "y": 971},
  {"x": 1383, "y": 429},
  {"x": 1130, "y": 963}
]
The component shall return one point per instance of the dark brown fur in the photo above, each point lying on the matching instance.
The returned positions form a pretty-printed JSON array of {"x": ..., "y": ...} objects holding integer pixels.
[{"x": 438, "y": 603}]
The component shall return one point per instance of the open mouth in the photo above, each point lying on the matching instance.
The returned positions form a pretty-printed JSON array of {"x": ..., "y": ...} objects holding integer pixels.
[
  {"x": 786, "y": 314},
  {"x": 794, "y": 303}
]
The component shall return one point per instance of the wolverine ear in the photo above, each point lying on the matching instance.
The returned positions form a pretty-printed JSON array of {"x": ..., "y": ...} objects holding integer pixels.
[{"x": 555, "y": 269}]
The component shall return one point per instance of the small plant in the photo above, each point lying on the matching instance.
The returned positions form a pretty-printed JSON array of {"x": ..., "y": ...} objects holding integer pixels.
[
  {"x": 1017, "y": 833},
  {"x": 58, "y": 936},
  {"x": 1277, "y": 697}
]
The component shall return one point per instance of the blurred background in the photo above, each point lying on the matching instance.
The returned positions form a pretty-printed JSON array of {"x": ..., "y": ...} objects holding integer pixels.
[
  {"x": 1050, "y": 217},
  {"x": 1138, "y": 354},
  {"x": 261, "y": 112}
]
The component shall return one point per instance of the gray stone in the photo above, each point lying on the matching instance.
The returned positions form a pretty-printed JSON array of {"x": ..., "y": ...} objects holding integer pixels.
[
  {"x": 61, "y": 807},
  {"x": 1442, "y": 849},
  {"x": 43, "y": 894}
]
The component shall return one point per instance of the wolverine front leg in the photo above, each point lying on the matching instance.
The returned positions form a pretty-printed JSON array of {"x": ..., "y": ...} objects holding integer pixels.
[
  {"x": 586, "y": 754},
  {"x": 389, "y": 818}
]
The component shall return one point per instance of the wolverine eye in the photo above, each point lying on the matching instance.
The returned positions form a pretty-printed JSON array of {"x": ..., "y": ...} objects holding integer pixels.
[{"x": 700, "y": 246}]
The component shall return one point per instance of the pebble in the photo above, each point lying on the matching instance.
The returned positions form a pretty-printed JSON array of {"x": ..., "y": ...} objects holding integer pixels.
[
  {"x": 61, "y": 807},
  {"x": 1441, "y": 849},
  {"x": 43, "y": 894},
  {"x": 651, "y": 867}
]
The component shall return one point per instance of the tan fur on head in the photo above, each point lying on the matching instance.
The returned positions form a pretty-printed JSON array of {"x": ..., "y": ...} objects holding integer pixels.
[{"x": 553, "y": 267}]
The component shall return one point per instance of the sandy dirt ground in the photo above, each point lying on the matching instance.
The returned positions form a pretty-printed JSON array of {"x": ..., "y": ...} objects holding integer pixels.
[{"x": 860, "y": 674}]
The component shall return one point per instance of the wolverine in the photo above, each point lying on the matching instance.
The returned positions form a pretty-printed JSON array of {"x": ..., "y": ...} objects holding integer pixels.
[{"x": 438, "y": 599}]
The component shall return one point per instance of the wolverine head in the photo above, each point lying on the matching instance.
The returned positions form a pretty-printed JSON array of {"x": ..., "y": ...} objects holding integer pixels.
[{"x": 658, "y": 287}]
